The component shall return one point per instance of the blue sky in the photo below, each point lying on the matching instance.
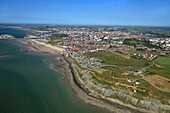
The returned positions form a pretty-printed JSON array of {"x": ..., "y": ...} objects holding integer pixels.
[{"x": 86, "y": 12}]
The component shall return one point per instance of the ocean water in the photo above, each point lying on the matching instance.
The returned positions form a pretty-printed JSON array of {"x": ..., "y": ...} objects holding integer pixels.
[
  {"x": 29, "y": 85},
  {"x": 13, "y": 31}
]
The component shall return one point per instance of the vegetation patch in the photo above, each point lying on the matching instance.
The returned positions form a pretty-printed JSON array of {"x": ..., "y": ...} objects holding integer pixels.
[
  {"x": 100, "y": 70},
  {"x": 162, "y": 67},
  {"x": 138, "y": 76},
  {"x": 136, "y": 43},
  {"x": 159, "y": 82}
]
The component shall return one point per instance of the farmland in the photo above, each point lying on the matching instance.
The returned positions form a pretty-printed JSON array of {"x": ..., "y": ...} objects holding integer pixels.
[{"x": 140, "y": 77}]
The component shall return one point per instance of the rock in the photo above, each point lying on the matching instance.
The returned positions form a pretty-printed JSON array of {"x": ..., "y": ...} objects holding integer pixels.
[{"x": 108, "y": 92}]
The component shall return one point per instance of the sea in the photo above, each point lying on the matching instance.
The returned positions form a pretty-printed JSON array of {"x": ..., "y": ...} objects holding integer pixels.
[
  {"x": 29, "y": 85},
  {"x": 13, "y": 31}
]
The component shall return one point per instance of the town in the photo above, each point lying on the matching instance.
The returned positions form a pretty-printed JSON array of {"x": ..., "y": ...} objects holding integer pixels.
[{"x": 78, "y": 40}]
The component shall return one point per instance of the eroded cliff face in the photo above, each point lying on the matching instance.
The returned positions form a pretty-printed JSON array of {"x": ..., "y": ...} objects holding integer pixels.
[{"x": 116, "y": 95}]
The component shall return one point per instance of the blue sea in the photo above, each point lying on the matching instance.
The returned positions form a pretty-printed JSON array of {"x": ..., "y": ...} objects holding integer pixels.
[
  {"x": 29, "y": 85},
  {"x": 18, "y": 33}
]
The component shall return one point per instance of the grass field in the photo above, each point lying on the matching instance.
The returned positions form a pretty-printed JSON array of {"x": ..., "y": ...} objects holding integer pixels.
[
  {"x": 163, "y": 61},
  {"x": 152, "y": 92},
  {"x": 159, "y": 82},
  {"x": 132, "y": 52},
  {"x": 155, "y": 86},
  {"x": 163, "y": 68},
  {"x": 116, "y": 59},
  {"x": 117, "y": 63}
]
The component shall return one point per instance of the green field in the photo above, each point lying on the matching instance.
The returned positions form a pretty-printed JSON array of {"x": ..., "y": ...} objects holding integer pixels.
[
  {"x": 131, "y": 53},
  {"x": 117, "y": 63},
  {"x": 163, "y": 61},
  {"x": 136, "y": 43},
  {"x": 164, "y": 69},
  {"x": 111, "y": 58}
]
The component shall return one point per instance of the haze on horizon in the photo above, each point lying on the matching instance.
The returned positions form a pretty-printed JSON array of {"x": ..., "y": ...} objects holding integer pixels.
[{"x": 86, "y": 12}]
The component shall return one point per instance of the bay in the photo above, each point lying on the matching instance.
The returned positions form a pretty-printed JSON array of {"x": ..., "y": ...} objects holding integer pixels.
[
  {"x": 28, "y": 85},
  {"x": 18, "y": 33}
]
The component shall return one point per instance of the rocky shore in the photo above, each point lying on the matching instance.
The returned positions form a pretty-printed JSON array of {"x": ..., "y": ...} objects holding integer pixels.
[
  {"x": 84, "y": 94},
  {"x": 76, "y": 83}
]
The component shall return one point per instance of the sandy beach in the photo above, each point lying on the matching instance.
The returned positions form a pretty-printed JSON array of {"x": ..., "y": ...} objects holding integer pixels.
[
  {"x": 55, "y": 48},
  {"x": 72, "y": 76}
]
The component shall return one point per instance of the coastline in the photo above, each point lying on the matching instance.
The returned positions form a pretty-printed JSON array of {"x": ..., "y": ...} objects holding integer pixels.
[
  {"x": 14, "y": 27},
  {"x": 84, "y": 94},
  {"x": 75, "y": 82}
]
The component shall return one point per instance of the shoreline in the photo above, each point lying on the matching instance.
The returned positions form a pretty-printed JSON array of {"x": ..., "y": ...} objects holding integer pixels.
[
  {"x": 85, "y": 95},
  {"x": 74, "y": 81}
]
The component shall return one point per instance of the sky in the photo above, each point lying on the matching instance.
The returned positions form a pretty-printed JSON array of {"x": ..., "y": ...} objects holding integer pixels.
[{"x": 86, "y": 12}]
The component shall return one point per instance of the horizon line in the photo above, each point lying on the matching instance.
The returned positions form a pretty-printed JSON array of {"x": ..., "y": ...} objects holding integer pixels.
[{"x": 84, "y": 25}]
